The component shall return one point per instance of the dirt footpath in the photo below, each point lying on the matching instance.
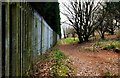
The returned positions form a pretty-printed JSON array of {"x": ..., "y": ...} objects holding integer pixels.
[{"x": 87, "y": 63}]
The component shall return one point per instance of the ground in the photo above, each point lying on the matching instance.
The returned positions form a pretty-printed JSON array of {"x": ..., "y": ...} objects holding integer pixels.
[
  {"x": 88, "y": 63},
  {"x": 91, "y": 63},
  {"x": 85, "y": 60}
]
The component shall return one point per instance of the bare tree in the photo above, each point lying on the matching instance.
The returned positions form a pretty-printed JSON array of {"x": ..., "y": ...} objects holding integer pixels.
[
  {"x": 113, "y": 11},
  {"x": 83, "y": 16},
  {"x": 109, "y": 14},
  {"x": 102, "y": 28}
]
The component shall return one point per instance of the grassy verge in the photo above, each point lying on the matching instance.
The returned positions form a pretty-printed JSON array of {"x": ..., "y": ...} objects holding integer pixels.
[
  {"x": 104, "y": 44},
  {"x": 68, "y": 40},
  {"x": 61, "y": 65},
  {"x": 107, "y": 74},
  {"x": 108, "y": 44},
  {"x": 54, "y": 64}
]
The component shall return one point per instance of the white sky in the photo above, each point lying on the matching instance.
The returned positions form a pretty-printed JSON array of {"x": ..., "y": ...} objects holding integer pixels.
[{"x": 63, "y": 18}]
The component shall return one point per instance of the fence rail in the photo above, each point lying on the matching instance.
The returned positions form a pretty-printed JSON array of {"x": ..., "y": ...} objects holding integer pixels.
[{"x": 25, "y": 36}]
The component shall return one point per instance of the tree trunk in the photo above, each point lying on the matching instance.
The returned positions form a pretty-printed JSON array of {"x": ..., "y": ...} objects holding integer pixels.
[
  {"x": 93, "y": 34},
  {"x": 64, "y": 36},
  {"x": 102, "y": 36},
  {"x": 86, "y": 39},
  {"x": 80, "y": 39},
  {"x": 112, "y": 31},
  {"x": 73, "y": 35}
]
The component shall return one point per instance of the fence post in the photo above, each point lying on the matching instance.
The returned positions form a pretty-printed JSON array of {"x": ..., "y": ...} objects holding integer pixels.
[
  {"x": 0, "y": 39},
  {"x": 21, "y": 28},
  {"x": 7, "y": 41},
  {"x": 42, "y": 38}
]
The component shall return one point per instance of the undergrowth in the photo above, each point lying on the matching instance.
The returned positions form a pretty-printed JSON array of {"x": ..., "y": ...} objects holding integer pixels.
[
  {"x": 53, "y": 64},
  {"x": 108, "y": 44},
  {"x": 61, "y": 65},
  {"x": 104, "y": 44},
  {"x": 108, "y": 74}
]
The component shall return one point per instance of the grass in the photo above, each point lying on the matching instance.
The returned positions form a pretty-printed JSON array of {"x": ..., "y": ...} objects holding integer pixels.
[
  {"x": 55, "y": 64},
  {"x": 58, "y": 55},
  {"x": 108, "y": 74},
  {"x": 112, "y": 45},
  {"x": 108, "y": 44},
  {"x": 68, "y": 40},
  {"x": 61, "y": 66},
  {"x": 105, "y": 44}
]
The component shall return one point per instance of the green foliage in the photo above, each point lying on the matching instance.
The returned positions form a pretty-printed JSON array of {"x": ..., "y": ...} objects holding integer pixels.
[
  {"x": 108, "y": 44},
  {"x": 113, "y": 45},
  {"x": 60, "y": 67},
  {"x": 116, "y": 44},
  {"x": 107, "y": 73},
  {"x": 97, "y": 43},
  {"x": 68, "y": 40},
  {"x": 103, "y": 40},
  {"x": 57, "y": 54}
]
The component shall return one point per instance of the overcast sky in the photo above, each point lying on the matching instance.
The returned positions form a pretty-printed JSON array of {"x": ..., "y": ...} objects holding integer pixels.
[{"x": 63, "y": 18}]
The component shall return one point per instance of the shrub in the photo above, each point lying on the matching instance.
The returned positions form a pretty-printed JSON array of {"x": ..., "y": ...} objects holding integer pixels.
[
  {"x": 110, "y": 46},
  {"x": 113, "y": 45},
  {"x": 116, "y": 44}
]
